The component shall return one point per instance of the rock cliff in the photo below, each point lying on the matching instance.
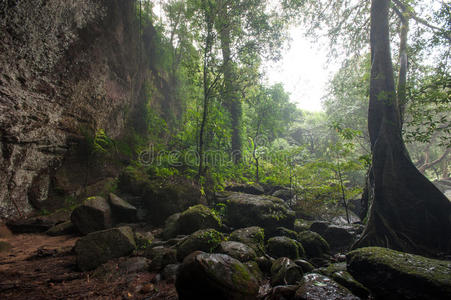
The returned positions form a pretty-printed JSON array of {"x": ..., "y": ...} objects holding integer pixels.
[{"x": 65, "y": 66}]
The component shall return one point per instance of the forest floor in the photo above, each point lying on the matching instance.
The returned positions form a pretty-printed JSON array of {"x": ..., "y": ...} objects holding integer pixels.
[{"x": 43, "y": 267}]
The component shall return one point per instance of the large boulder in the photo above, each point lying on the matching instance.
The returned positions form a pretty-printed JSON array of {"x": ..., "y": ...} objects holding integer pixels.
[
  {"x": 339, "y": 237},
  {"x": 316, "y": 286},
  {"x": 161, "y": 257},
  {"x": 93, "y": 215},
  {"x": 285, "y": 271},
  {"x": 206, "y": 240},
  {"x": 282, "y": 231},
  {"x": 244, "y": 210},
  {"x": 170, "y": 226},
  {"x": 391, "y": 274},
  {"x": 98, "y": 247},
  {"x": 195, "y": 218},
  {"x": 61, "y": 229},
  {"x": 282, "y": 246},
  {"x": 253, "y": 236},
  {"x": 314, "y": 245},
  {"x": 122, "y": 210},
  {"x": 215, "y": 276},
  {"x": 237, "y": 250},
  {"x": 251, "y": 188}
]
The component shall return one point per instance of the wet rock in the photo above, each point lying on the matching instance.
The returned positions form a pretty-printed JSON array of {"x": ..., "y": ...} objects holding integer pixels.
[
  {"x": 215, "y": 276},
  {"x": 305, "y": 265},
  {"x": 284, "y": 271},
  {"x": 391, "y": 274},
  {"x": 98, "y": 247},
  {"x": 61, "y": 229},
  {"x": 237, "y": 250},
  {"x": 93, "y": 215},
  {"x": 161, "y": 257},
  {"x": 134, "y": 265},
  {"x": 301, "y": 225},
  {"x": 244, "y": 210},
  {"x": 206, "y": 240},
  {"x": 283, "y": 292},
  {"x": 316, "y": 287},
  {"x": 339, "y": 274},
  {"x": 122, "y": 210},
  {"x": 314, "y": 245},
  {"x": 169, "y": 272},
  {"x": 253, "y": 236},
  {"x": 170, "y": 226},
  {"x": 282, "y": 246},
  {"x": 195, "y": 218},
  {"x": 284, "y": 194},
  {"x": 254, "y": 188},
  {"x": 255, "y": 270},
  {"x": 282, "y": 231}
]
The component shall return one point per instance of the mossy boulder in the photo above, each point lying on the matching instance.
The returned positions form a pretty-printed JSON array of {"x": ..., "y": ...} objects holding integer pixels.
[
  {"x": 237, "y": 250},
  {"x": 339, "y": 274},
  {"x": 285, "y": 271},
  {"x": 314, "y": 245},
  {"x": 282, "y": 246},
  {"x": 301, "y": 225},
  {"x": 317, "y": 286},
  {"x": 284, "y": 194},
  {"x": 195, "y": 218},
  {"x": 122, "y": 210},
  {"x": 170, "y": 226},
  {"x": 244, "y": 210},
  {"x": 282, "y": 231},
  {"x": 61, "y": 229},
  {"x": 250, "y": 188},
  {"x": 93, "y": 215},
  {"x": 215, "y": 276},
  {"x": 253, "y": 236},
  {"x": 206, "y": 240},
  {"x": 161, "y": 257},
  {"x": 305, "y": 265},
  {"x": 390, "y": 274},
  {"x": 98, "y": 247}
]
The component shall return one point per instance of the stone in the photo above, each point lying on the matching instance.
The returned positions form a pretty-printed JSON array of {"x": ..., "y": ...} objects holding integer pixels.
[
  {"x": 206, "y": 240},
  {"x": 237, "y": 250},
  {"x": 170, "y": 226},
  {"x": 161, "y": 257},
  {"x": 314, "y": 245},
  {"x": 390, "y": 274},
  {"x": 93, "y": 215},
  {"x": 134, "y": 265},
  {"x": 253, "y": 236},
  {"x": 284, "y": 194},
  {"x": 317, "y": 287},
  {"x": 265, "y": 263},
  {"x": 61, "y": 229},
  {"x": 98, "y": 247},
  {"x": 301, "y": 225},
  {"x": 169, "y": 272},
  {"x": 282, "y": 246},
  {"x": 284, "y": 271},
  {"x": 282, "y": 231},
  {"x": 143, "y": 240},
  {"x": 339, "y": 274},
  {"x": 305, "y": 265},
  {"x": 32, "y": 225},
  {"x": 254, "y": 268},
  {"x": 195, "y": 218},
  {"x": 283, "y": 292},
  {"x": 319, "y": 227},
  {"x": 122, "y": 210},
  {"x": 244, "y": 210},
  {"x": 340, "y": 237},
  {"x": 215, "y": 276},
  {"x": 251, "y": 188}
]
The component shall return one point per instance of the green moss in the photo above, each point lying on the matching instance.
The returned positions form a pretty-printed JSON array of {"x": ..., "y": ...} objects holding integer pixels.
[{"x": 240, "y": 274}]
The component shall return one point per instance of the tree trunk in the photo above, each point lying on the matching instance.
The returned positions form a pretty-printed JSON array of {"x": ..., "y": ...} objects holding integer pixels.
[
  {"x": 408, "y": 212},
  {"x": 231, "y": 97}
]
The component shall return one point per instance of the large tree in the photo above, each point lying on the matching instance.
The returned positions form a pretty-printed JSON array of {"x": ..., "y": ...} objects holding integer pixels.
[{"x": 408, "y": 212}]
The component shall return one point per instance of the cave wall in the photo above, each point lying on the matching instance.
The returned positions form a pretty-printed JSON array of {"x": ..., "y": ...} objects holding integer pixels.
[{"x": 64, "y": 66}]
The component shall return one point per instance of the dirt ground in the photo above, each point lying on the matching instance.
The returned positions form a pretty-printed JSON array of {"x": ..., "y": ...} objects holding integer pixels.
[{"x": 43, "y": 267}]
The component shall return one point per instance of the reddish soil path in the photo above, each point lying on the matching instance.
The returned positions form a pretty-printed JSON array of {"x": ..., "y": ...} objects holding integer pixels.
[{"x": 43, "y": 267}]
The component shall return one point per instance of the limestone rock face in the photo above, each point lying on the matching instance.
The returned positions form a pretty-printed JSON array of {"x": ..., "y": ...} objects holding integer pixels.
[
  {"x": 391, "y": 274},
  {"x": 93, "y": 215},
  {"x": 65, "y": 65},
  {"x": 215, "y": 276},
  {"x": 98, "y": 247}
]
